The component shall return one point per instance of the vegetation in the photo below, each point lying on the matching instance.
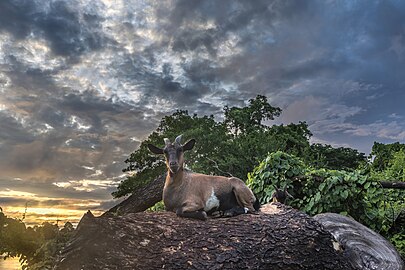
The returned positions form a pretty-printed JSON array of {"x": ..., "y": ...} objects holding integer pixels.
[
  {"x": 383, "y": 154},
  {"x": 318, "y": 190},
  {"x": 244, "y": 144},
  {"x": 342, "y": 158},
  {"x": 37, "y": 247},
  {"x": 235, "y": 145},
  {"x": 320, "y": 177},
  {"x": 354, "y": 193},
  {"x": 231, "y": 147}
]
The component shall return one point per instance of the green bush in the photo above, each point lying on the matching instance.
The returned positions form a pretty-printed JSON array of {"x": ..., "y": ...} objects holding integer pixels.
[
  {"x": 277, "y": 169},
  {"x": 320, "y": 190},
  {"x": 356, "y": 193},
  {"x": 398, "y": 240}
]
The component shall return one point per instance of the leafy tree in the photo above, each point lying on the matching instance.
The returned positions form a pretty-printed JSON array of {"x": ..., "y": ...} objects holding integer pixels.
[
  {"x": 250, "y": 118},
  {"x": 278, "y": 169},
  {"x": 391, "y": 157},
  {"x": 342, "y": 158},
  {"x": 396, "y": 167},
  {"x": 231, "y": 147},
  {"x": 319, "y": 190},
  {"x": 211, "y": 136},
  {"x": 383, "y": 153},
  {"x": 291, "y": 138}
]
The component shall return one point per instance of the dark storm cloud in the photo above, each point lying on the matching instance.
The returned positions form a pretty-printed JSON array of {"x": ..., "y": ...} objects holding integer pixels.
[
  {"x": 67, "y": 33},
  {"x": 306, "y": 41},
  {"x": 82, "y": 83},
  {"x": 69, "y": 142},
  {"x": 244, "y": 18},
  {"x": 16, "y": 17},
  {"x": 61, "y": 127}
]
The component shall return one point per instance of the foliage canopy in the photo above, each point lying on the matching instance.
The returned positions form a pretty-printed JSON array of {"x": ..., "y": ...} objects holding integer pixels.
[
  {"x": 229, "y": 147},
  {"x": 233, "y": 146}
]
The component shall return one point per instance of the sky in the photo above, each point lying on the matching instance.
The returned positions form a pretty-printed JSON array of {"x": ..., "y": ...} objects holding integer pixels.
[{"x": 82, "y": 83}]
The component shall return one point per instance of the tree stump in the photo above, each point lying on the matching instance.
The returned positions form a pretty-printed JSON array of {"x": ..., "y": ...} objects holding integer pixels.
[{"x": 279, "y": 237}]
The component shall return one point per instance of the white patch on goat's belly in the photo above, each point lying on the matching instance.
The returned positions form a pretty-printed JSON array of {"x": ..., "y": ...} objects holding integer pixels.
[{"x": 212, "y": 202}]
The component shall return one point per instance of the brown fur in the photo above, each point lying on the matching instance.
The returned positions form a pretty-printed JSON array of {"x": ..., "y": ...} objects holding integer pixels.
[{"x": 187, "y": 193}]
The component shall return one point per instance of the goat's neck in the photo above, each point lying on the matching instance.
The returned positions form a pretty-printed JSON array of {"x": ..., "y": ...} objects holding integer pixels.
[{"x": 175, "y": 178}]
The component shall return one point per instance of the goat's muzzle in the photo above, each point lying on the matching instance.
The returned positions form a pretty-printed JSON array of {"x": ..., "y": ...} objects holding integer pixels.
[{"x": 174, "y": 167}]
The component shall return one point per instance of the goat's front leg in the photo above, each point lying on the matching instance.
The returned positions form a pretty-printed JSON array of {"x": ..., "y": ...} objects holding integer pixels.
[{"x": 191, "y": 210}]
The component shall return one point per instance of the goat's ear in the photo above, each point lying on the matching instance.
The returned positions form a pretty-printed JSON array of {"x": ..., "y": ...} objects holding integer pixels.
[
  {"x": 189, "y": 145},
  {"x": 155, "y": 150}
]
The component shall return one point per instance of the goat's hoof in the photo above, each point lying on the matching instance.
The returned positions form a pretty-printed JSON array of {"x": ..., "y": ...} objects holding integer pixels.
[
  {"x": 217, "y": 214},
  {"x": 228, "y": 214}
]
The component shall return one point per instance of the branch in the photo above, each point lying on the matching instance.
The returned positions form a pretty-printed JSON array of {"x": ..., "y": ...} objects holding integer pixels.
[
  {"x": 141, "y": 198},
  {"x": 393, "y": 184},
  {"x": 217, "y": 167}
]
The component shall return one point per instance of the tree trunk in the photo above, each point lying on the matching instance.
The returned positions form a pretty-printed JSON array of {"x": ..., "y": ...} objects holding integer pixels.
[
  {"x": 365, "y": 248},
  {"x": 279, "y": 237},
  {"x": 141, "y": 199},
  {"x": 393, "y": 184}
]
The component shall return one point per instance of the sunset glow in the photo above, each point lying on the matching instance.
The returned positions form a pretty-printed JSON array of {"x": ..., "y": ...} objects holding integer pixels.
[{"x": 35, "y": 210}]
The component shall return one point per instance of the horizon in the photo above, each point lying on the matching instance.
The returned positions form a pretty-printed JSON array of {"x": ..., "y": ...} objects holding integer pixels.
[{"x": 83, "y": 83}]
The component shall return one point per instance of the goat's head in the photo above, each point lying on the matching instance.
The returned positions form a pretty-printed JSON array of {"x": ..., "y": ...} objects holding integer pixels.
[{"x": 173, "y": 152}]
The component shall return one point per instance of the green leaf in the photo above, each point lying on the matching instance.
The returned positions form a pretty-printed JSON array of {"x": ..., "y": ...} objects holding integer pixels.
[
  {"x": 317, "y": 196},
  {"x": 266, "y": 175},
  {"x": 322, "y": 186},
  {"x": 345, "y": 194},
  {"x": 367, "y": 185}
]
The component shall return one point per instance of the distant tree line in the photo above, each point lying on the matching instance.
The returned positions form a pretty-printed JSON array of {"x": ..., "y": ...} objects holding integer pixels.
[{"x": 36, "y": 246}]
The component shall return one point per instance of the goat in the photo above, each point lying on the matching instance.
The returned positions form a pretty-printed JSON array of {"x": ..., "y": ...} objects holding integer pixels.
[{"x": 194, "y": 195}]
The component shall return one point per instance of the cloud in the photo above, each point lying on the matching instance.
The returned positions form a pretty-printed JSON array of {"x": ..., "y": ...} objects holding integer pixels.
[
  {"x": 385, "y": 130},
  {"x": 79, "y": 80},
  {"x": 37, "y": 209},
  {"x": 68, "y": 32},
  {"x": 86, "y": 185}
]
